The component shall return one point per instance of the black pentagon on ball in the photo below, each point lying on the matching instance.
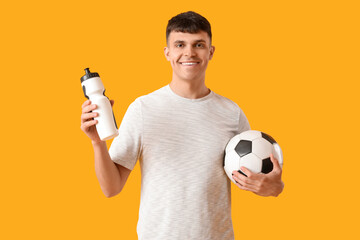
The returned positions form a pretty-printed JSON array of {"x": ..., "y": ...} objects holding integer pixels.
[
  {"x": 243, "y": 147},
  {"x": 268, "y": 137},
  {"x": 267, "y": 165}
]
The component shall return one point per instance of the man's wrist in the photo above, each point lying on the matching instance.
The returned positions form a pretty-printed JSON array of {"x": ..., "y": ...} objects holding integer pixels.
[{"x": 98, "y": 143}]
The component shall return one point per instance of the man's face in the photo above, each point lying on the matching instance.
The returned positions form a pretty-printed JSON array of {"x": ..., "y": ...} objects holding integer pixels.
[{"x": 189, "y": 54}]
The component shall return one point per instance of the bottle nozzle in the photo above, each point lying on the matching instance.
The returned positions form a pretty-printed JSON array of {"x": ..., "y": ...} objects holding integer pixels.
[{"x": 88, "y": 75}]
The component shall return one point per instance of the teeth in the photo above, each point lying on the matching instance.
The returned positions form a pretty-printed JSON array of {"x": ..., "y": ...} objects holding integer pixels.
[{"x": 185, "y": 63}]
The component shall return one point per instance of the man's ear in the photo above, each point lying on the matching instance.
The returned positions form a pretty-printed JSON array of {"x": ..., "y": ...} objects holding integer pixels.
[
  {"x": 166, "y": 52},
  {"x": 212, "y": 50}
]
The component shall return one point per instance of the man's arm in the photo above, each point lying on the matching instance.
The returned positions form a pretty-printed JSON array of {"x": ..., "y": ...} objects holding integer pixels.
[{"x": 111, "y": 176}]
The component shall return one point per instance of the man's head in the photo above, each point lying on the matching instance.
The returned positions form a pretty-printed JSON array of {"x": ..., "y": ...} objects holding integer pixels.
[
  {"x": 189, "y": 46},
  {"x": 188, "y": 22}
]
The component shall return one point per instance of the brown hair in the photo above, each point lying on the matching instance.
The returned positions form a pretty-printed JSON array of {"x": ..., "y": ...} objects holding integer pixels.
[{"x": 188, "y": 22}]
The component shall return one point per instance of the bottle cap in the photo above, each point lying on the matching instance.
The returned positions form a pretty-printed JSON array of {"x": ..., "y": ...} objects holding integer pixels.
[{"x": 88, "y": 75}]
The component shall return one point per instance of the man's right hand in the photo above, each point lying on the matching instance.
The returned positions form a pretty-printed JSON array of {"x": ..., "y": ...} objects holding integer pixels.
[{"x": 88, "y": 123}]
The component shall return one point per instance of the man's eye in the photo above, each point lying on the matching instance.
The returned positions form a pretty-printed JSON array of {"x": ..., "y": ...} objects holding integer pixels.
[
  {"x": 179, "y": 45},
  {"x": 200, "y": 45}
]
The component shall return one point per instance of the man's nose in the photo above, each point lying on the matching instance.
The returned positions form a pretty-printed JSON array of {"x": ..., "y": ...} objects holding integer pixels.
[{"x": 189, "y": 51}]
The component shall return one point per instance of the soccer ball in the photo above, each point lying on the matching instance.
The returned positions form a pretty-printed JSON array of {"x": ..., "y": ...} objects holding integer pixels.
[{"x": 252, "y": 150}]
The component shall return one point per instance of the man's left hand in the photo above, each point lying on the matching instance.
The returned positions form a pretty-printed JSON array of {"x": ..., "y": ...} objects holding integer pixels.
[{"x": 261, "y": 184}]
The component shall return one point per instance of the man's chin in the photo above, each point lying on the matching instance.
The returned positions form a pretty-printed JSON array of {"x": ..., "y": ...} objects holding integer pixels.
[{"x": 190, "y": 78}]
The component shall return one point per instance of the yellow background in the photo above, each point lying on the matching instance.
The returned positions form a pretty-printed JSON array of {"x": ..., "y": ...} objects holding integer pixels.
[{"x": 292, "y": 66}]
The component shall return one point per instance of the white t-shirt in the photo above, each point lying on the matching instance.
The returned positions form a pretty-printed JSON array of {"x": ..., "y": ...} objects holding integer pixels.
[{"x": 180, "y": 143}]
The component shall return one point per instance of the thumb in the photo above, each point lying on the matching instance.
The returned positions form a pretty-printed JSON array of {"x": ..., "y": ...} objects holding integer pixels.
[
  {"x": 112, "y": 102},
  {"x": 275, "y": 162}
]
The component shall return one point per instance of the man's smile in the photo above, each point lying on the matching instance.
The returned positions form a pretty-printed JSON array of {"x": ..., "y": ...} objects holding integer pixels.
[{"x": 189, "y": 63}]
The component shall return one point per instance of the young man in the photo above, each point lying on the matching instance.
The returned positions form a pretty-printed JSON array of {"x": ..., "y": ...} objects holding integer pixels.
[{"x": 179, "y": 133}]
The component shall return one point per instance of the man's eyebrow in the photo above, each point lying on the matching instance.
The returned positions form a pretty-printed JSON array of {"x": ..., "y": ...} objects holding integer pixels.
[
  {"x": 179, "y": 41},
  {"x": 196, "y": 41}
]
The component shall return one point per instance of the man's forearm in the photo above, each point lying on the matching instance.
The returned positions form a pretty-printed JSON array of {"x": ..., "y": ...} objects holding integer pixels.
[{"x": 106, "y": 171}]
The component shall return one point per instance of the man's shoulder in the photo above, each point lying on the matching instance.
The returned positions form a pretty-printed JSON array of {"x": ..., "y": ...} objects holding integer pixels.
[
  {"x": 226, "y": 102},
  {"x": 154, "y": 98},
  {"x": 156, "y": 93}
]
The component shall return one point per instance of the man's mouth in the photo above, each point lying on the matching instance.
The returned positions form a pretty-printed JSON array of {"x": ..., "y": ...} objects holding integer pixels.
[{"x": 189, "y": 63}]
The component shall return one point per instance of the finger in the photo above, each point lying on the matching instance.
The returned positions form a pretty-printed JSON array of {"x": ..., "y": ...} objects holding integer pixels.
[
  {"x": 88, "y": 116},
  {"x": 238, "y": 173},
  {"x": 87, "y": 102},
  {"x": 112, "y": 102},
  {"x": 275, "y": 162},
  {"x": 246, "y": 171},
  {"x": 252, "y": 177},
  {"x": 89, "y": 108},
  {"x": 246, "y": 187},
  {"x": 86, "y": 125},
  {"x": 243, "y": 180}
]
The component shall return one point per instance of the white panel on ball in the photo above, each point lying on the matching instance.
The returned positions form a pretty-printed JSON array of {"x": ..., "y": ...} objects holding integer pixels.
[
  {"x": 232, "y": 163},
  {"x": 250, "y": 135},
  {"x": 262, "y": 148},
  {"x": 251, "y": 162},
  {"x": 278, "y": 153}
]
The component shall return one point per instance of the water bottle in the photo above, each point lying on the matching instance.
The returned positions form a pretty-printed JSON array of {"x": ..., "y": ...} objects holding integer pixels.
[{"x": 94, "y": 90}]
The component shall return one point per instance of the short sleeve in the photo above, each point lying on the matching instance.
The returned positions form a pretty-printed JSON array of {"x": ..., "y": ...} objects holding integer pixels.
[
  {"x": 243, "y": 122},
  {"x": 126, "y": 147}
]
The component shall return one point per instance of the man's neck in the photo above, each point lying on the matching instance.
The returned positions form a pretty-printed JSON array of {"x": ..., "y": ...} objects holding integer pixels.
[{"x": 189, "y": 89}]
